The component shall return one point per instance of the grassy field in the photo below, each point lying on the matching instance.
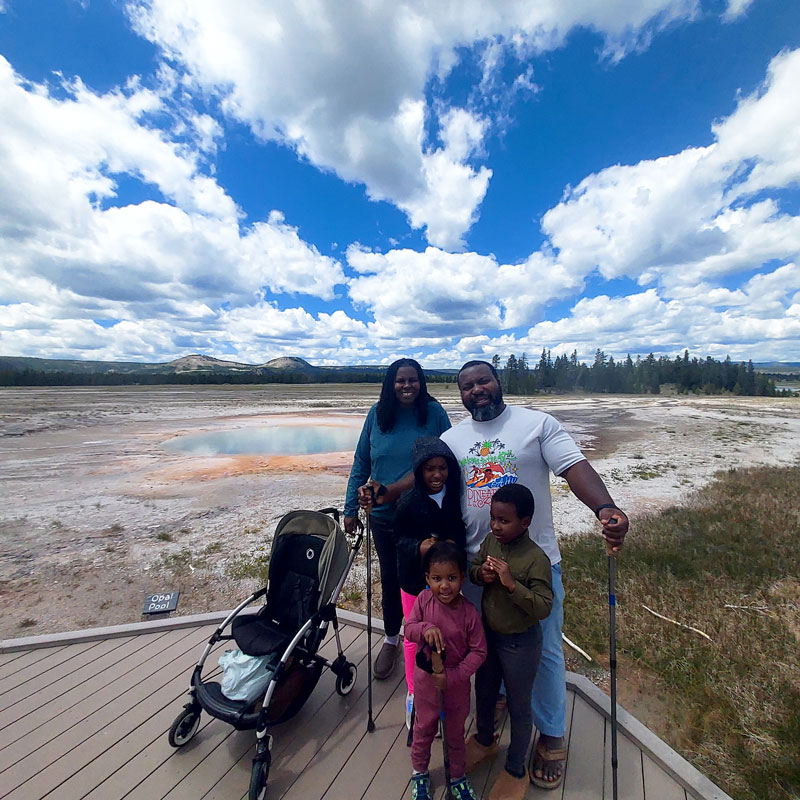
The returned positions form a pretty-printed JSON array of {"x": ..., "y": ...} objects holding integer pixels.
[{"x": 727, "y": 563}]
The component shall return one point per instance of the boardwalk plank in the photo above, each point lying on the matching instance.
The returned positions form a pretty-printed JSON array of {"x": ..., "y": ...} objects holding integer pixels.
[
  {"x": 74, "y": 704},
  {"x": 583, "y": 779},
  {"x": 46, "y": 668},
  {"x": 27, "y": 656},
  {"x": 392, "y": 777},
  {"x": 629, "y": 773},
  {"x": 37, "y": 693},
  {"x": 67, "y": 753},
  {"x": 357, "y": 773},
  {"x": 657, "y": 784}
]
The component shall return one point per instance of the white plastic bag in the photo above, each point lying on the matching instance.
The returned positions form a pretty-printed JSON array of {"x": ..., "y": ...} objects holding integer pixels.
[{"x": 245, "y": 677}]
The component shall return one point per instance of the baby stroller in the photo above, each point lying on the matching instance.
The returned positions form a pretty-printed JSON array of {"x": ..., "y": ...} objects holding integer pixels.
[{"x": 309, "y": 561}]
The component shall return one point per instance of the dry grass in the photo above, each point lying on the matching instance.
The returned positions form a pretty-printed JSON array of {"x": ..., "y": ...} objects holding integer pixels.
[{"x": 735, "y": 700}]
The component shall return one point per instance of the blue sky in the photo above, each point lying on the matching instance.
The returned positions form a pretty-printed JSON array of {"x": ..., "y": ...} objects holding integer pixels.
[{"x": 352, "y": 182}]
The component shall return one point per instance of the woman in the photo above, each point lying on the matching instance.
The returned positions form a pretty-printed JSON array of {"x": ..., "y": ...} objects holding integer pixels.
[{"x": 404, "y": 412}]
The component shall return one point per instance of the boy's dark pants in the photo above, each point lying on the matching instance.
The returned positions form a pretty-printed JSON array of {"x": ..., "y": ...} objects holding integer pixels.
[{"x": 512, "y": 659}]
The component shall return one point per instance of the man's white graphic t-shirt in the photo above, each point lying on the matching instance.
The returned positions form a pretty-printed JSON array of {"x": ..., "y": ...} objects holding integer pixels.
[{"x": 520, "y": 445}]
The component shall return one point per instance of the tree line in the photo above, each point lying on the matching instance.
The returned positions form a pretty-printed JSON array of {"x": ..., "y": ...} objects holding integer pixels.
[
  {"x": 631, "y": 376},
  {"x": 562, "y": 374}
]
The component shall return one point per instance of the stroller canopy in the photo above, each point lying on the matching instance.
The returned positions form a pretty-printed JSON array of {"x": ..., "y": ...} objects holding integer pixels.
[{"x": 333, "y": 558}]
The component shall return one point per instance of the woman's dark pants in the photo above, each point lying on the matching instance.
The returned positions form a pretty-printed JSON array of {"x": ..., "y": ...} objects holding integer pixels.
[
  {"x": 512, "y": 659},
  {"x": 383, "y": 536}
]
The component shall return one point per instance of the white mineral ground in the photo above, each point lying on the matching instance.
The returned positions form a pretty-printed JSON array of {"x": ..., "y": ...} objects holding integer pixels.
[{"x": 96, "y": 513}]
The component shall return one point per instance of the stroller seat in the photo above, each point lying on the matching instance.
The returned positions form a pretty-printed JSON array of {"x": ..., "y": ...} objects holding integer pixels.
[{"x": 257, "y": 636}]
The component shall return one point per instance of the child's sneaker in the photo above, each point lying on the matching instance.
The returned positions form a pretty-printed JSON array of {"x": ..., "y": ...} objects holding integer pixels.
[
  {"x": 461, "y": 790},
  {"x": 421, "y": 786},
  {"x": 409, "y": 709}
]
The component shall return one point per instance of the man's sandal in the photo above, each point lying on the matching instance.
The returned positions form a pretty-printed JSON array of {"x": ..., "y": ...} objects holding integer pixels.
[{"x": 542, "y": 757}]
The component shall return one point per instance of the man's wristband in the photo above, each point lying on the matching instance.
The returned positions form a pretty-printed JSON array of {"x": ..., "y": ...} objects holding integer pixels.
[{"x": 606, "y": 505}]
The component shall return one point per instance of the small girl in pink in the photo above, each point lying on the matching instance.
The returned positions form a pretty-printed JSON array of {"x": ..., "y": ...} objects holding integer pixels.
[{"x": 444, "y": 620}]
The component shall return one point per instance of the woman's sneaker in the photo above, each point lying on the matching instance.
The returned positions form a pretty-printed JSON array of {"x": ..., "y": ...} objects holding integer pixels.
[
  {"x": 461, "y": 790},
  {"x": 409, "y": 709},
  {"x": 421, "y": 786}
]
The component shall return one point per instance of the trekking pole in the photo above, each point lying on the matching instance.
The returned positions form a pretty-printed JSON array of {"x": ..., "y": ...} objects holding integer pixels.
[
  {"x": 370, "y": 721},
  {"x": 438, "y": 668},
  {"x": 612, "y": 627}
]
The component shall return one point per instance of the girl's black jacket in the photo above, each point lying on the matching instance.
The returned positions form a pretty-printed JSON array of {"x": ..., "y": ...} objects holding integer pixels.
[{"x": 419, "y": 517}]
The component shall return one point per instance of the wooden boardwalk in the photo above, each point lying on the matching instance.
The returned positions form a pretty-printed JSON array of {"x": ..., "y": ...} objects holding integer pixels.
[{"x": 87, "y": 720}]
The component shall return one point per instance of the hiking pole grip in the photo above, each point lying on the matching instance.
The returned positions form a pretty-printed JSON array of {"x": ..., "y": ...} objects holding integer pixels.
[
  {"x": 612, "y": 627},
  {"x": 436, "y": 662}
]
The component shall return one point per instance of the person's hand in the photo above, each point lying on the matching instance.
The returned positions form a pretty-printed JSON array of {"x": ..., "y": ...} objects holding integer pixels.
[
  {"x": 351, "y": 524},
  {"x": 503, "y": 572},
  {"x": 440, "y": 680},
  {"x": 434, "y": 639},
  {"x": 615, "y": 526},
  {"x": 371, "y": 494},
  {"x": 426, "y": 545},
  {"x": 486, "y": 574}
]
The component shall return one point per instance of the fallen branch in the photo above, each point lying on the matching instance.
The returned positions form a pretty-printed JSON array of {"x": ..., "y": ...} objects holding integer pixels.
[
  {"x": 747, "y": 608},
  {"x": 675, "y": 622},
  {"x": 575, "y": 647}
]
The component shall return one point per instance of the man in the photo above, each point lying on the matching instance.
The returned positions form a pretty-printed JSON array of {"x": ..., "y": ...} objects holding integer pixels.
[{"x": 509, "y": 444}]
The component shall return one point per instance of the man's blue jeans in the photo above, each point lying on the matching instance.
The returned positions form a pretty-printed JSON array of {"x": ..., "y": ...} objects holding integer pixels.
[{"x": 549, "y": 698}]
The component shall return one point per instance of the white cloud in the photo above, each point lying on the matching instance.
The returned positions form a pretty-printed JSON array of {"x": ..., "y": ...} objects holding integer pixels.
[
  {"x": 735, "y": 9},
  {"x": 60, "y": 159},
  {"x": 685, "y": 218},
  {"x": 344, "y": 83}
]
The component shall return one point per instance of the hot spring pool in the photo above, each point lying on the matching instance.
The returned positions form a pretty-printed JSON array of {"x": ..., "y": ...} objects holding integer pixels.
[{"x": 272, "y": 440}]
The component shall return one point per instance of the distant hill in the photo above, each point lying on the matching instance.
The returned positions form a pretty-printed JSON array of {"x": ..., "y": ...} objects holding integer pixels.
[
  {"x": 289, "y": 362},
  {"x": 196, "y": 361},
  {"x": 193, "y": 368}
]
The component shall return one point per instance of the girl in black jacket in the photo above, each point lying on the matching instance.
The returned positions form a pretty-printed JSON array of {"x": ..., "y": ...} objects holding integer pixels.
[{"x": 426, "y": 513}]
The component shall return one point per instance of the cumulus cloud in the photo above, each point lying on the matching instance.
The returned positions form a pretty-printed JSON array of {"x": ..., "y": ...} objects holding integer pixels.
[
  {"x": 683, "y": 224},
  {"x": 428, "y": 296},
  {"x": 697, "y": 214},
  {"x": 71, "y": 245},
  {"x": 344, "y": 84}
]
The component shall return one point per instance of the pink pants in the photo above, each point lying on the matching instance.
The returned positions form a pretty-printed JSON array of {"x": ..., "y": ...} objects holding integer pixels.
[
  {"x": 426, "y": 721},
  {"x": 409, "y": 648}
]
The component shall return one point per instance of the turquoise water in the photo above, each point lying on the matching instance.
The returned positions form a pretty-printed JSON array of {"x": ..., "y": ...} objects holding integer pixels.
[{"x": 277, "y": 440}]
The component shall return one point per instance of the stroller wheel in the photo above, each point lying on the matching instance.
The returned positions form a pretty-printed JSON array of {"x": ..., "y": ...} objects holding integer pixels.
[
  {"x": 185, "y": 726},
  {"x": 346, "y": 681},
  {"x": 259, "y": 776}
]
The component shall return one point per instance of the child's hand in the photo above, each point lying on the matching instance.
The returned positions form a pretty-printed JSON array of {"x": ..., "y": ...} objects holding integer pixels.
[
  {"x": 503, "y": 572},
  {"x": 486, "y": 574},
  {"x": 426, "y": 545},
  {"x": 434, "y": 639},
  {"x": 440, "y": 680}
]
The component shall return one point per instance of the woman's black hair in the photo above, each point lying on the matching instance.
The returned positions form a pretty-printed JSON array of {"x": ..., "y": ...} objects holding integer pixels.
[
  {"x": 388, "y": 402},
  {"x": 444, "y": 553},
  {"x": 519, "y": 496}
]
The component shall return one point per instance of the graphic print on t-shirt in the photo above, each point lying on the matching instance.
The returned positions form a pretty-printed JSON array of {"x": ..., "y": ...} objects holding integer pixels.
[{"x": 487, "y": 466}]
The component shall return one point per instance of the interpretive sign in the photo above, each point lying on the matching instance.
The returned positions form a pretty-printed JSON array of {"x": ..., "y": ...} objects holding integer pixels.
[{"x": 160, "y": 603}]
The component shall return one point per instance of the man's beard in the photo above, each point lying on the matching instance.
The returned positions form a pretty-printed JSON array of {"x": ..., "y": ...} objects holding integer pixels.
[{"x": 491, "y": 410}]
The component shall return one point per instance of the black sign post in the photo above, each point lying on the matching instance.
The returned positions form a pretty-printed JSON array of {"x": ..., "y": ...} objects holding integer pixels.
[{"x": 160, "y": 603}]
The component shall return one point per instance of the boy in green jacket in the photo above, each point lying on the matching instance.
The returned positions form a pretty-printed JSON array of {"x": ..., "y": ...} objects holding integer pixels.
[{"x": 515, "y": 574}]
